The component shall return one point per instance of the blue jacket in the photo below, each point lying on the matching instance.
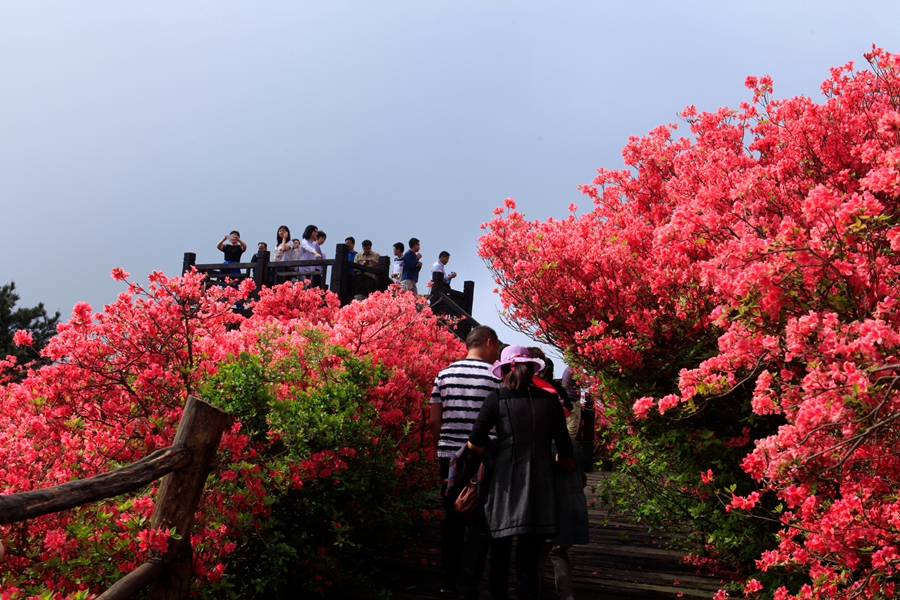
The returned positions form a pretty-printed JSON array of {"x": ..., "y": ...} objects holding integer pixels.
[{"x": 410, "y": 260}]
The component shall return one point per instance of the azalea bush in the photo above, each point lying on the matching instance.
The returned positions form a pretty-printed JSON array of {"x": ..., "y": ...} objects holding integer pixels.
[
  {"x": 732, "y": 297},
  {"x": 327, "y": 453}
]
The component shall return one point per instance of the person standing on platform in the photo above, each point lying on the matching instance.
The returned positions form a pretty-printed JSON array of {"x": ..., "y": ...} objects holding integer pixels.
[
  {"x": 412, "y": 264},
  {"x": 438, "y": 267},
  {"x": 459, "y": 391},
  {"x": 232, "y": 250},
  {"x": 368, "y": 258},
  {"x": 321, "y": 236},
  {"x": 351, "y": 248},
  {"x": 283, "y": 245},
  {"x": 397, "y": 263},
  {"x": 260, "y": 247},
  {"x": 364, "y": 282}
]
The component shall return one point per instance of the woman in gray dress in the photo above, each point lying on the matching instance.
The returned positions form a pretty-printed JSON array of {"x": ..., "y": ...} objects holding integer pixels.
[{"x": 520, "y": 499}]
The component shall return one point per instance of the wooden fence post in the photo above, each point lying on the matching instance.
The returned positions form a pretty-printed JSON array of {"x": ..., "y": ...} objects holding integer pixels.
[
  {"x": 469, "y": 292},
  {"x": 179, "y": 494},
  {"x": 190, "y": 259},
  {"x": 340, "y": 275},
  {"x": 384, "y": 278},
  {"x": 261, "y": 270}
]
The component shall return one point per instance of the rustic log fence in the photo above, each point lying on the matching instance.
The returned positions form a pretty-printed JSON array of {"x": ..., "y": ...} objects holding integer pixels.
[{"x": 183, "y": 467}]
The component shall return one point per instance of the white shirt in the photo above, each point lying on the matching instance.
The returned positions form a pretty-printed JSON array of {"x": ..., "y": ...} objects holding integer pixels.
[
  {"x": 438, "y": 267},
  {"x": 397, "y": 267},
  {"x": 308, "y": 251}
]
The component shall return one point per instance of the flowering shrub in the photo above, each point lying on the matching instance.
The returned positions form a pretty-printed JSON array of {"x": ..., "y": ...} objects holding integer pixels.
[
  {"x": 327, "y": 444},
  {"x": 734, "y": 297}
]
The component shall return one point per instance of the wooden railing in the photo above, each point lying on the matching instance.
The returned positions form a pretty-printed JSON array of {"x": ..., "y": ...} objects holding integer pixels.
[
  {"x": 346, "y": 279},
  {"x": 454, "y": 303},
  {"x": 183, "y": 467}
]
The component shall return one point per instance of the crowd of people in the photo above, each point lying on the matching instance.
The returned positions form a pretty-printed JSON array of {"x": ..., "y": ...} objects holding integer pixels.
[
  {"x": 405, "y": 266},
  {"x": 498, "y": 417}
]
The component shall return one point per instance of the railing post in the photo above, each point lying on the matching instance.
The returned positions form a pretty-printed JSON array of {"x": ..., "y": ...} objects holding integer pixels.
[
  {"x": 179, "y": 495},
  {"x": 261, "y": 270},
  {"x": 384, "y": 278},
  {"x": 438, "y": 289},
  {"x": 469, "y": 293},
  {"x": 190, "y": 259},
  {"x": 340, "y": 275}
]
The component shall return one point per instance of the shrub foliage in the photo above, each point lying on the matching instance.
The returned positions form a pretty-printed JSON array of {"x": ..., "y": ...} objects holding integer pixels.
[
  {"x": 326, "y": 458},
  {"x": 733, "y": 298}
]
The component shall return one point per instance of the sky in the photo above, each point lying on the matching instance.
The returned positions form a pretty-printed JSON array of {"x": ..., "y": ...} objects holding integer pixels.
[{"x": 131, "y": 133}]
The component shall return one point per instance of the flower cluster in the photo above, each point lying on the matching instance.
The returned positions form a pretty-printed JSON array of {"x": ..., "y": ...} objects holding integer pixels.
[
  {"x": 324, "y": 397},
  {"x": 758, "y": 261}
]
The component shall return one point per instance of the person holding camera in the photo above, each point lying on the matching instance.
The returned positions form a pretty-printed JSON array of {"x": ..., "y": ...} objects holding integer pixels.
[{"x": 233, "y": 250}]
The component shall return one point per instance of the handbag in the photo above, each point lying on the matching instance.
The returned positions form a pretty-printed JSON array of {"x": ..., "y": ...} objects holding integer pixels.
[{"x": 467, "y": 501}]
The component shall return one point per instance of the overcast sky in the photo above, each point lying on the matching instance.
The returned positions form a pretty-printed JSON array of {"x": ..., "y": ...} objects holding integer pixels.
[{"x": 132, "y": 132}]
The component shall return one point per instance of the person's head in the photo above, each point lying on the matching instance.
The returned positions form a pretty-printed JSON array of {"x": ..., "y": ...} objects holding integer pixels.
[
  {"x": 321, "y": 236},
  {"x": 444, "y": 257},
  {"x": 367, "y": 246},
  {"x": 296, "y": 243},
  {"x": 517, "y": 367},
  {"x": 234, "y": 235},
  {"x": 262, "y": 246},
  {"x": 414, "y": 244},
  {"x": 398, "y": 249},
  {"x": 547, "y": 373},
  {"x": 482, "y": 343},
  {"x": 283, "y": 232},
  {"x": 351, "y": 242},
  {"x": 310, "y": 232}
]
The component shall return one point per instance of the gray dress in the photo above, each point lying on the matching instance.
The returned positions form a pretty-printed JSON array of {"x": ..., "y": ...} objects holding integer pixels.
[{"x": 520, "y": 496}]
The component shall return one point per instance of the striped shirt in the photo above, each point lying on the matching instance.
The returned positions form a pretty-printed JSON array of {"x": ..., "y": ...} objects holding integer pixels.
[{"x": 461, "y": 388}]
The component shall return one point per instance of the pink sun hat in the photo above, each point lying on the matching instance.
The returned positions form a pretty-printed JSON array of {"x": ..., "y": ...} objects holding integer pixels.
[{"x": 515, "y": 355}]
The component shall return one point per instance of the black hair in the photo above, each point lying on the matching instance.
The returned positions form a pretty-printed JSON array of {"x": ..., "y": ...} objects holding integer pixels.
[
  {"x": 547, "y": 372},
  {"x": 236, "y": 232},
  {"x": 280, "y": 227},
  {"x": 350, "y": 239},
  {"x": 367, "y": 242},
  {"x": 479, "y": 336},
  {"x": 517, "y": 376},
  {"x": 443, "y": 254},
  {"x": 321, "y": 234},
  {"x": 413, "y": 242},
  {"x": 264, "y": 244},
  {"x": 307, "y": 233},
  {"x": 399, "y": 246}
]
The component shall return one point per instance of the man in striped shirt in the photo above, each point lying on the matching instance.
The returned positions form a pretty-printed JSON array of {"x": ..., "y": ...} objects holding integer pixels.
[{"x": 459, "y": 391}]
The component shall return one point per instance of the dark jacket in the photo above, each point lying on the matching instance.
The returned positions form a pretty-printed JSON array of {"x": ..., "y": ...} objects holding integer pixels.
[{"x": 520, "y": 494}]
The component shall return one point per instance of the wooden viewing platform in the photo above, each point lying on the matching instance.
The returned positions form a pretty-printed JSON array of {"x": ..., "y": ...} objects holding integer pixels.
[
  {"x": 622, "y": 561},
  {"x": 347, "y": 280}
]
